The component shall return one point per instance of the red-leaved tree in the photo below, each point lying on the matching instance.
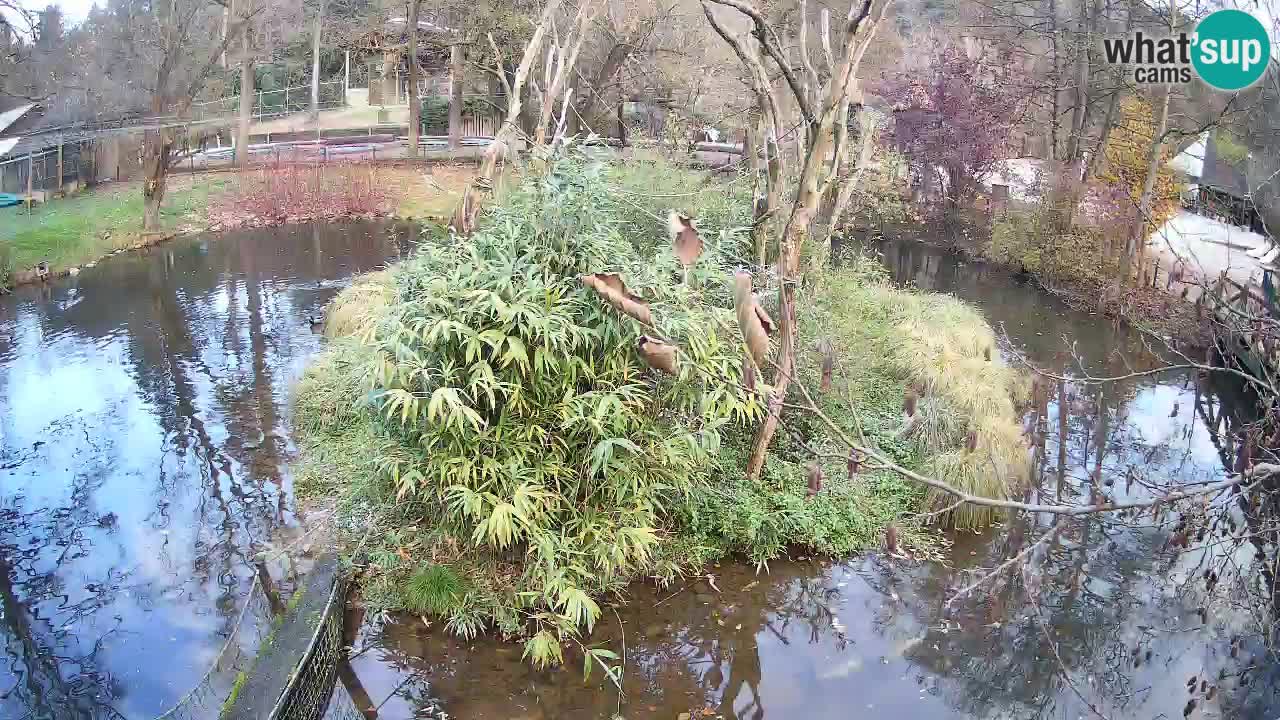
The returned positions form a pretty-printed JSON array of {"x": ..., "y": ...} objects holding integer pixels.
[{"x": 952, "y": 119}]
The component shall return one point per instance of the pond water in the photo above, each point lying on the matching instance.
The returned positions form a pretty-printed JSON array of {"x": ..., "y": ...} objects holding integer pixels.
[
  {"x": 143, "y": 459},
  {"x": 817, "y": 639},
  {"x": 143, "y": 452}
]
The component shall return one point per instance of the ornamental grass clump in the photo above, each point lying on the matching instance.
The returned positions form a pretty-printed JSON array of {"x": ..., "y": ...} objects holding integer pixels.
[{"x": 946, "y": 352}]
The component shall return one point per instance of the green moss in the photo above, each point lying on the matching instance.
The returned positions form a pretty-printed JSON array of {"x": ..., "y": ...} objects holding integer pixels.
[{"x": 234, "y": 694}]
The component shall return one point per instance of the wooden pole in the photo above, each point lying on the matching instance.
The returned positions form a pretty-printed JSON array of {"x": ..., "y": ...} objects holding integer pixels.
[
  {"x": 31, "y": 177},
  {"x": 455, "y": 96},
  {"x": 60, "y": 175}
]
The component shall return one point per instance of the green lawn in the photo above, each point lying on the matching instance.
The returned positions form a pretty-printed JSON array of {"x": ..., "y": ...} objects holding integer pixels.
[{"x": 83, "y": 227}]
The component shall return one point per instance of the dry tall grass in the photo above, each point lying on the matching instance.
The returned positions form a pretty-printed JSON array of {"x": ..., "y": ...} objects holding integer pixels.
[
  {"x": 355, "y": 311},
  {"x": 950, "y": 350},
  {"x": 944, "y": 348},
  {"x": 300, "y": 193}
]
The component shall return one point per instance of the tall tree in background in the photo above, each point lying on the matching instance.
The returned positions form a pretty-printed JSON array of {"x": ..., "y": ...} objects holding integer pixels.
[
  {"x": 457, "y": 65},
  {"x": 415, "y": 103},
  {"x": 178, "y": 42},
  {"x": 248, "y": 78},
  {"x": 317, "y": 34}
]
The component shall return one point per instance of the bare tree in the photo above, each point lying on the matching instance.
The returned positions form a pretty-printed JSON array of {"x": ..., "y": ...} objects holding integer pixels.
[
  {"x": 468, "y": 210},
  {"x": 415, "y": 104},
  {"x": 317, "y": 33},
  {"x": 248, "y": 80},
  {"x": 559, "y": 68},
  {"x": 457, "y": 56},
  {"x": 823, "y": 114}
]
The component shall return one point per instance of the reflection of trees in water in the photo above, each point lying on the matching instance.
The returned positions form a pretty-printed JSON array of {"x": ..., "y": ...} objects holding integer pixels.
[
  {"x": 722, "y": 657},
  {"x": 1086, "y": 445},
  {"x": 991, "y": 645},
  {"x": 1245, "y": 542},
  {"x": 206, "y": 333},
  {"x": 43, "y": 630}
]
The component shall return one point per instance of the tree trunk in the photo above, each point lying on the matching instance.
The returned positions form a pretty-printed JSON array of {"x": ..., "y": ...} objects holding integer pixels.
[
  {"x": 568, "y": 57},
  {"x": 1142, "y": 228},
  {"x": 415, "y": 105},
  {"x": 315, "y": 62},
  {"x": 388, "y": 93},
  {"x": 455, "y": 96},
  {"x": 155, "y": 167},
  {"x": 246, "y": 106},
  {"x": 820, "y": 151},
  {"x": 1108, "y": 121},
  {"x": 751, "y": 147},
  {"x": 1075, "y": 141},
  {"x": 1055, "y": 78},
  {"x": 465, "y": 215},
  {"x": 595, "y": 108}
]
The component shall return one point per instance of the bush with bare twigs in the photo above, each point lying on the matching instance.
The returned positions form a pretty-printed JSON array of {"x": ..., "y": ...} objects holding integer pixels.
[{"x": 298, "y": 193}]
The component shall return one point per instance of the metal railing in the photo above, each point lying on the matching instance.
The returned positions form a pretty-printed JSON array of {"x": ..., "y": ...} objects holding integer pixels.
[
  {"x": 236, "y": 656},
  {"x": 273, "y": 103}
]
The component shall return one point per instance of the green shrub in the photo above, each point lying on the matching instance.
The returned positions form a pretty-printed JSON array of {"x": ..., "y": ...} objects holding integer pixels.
[
  {"x": 1031, "y": 241},
  {"x": 508, "y": 459},
  {"x": 525, "y": 422}
]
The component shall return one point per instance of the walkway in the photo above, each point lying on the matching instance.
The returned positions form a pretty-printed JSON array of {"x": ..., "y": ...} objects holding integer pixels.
[{"x": 1206, "y": 248}]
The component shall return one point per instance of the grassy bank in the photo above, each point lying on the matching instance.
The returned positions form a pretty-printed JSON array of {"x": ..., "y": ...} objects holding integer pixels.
[
  {"x": 508, "y": 460},
  {"x": 72, "y": 231},
  {"x": 79, "y": 229}
]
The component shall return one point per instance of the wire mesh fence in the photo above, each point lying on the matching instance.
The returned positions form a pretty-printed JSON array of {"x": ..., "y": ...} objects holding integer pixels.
[
  {"x": 311, "y": 683},
  {"x": 39, "y": 172},
  {"x": 270, "y": 103},
  {"x": 236, "y": 656},
  {"x": 307, "y": 695}
]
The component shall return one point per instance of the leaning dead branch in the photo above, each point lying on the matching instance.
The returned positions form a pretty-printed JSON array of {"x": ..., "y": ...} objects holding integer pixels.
[{"x": 464, "y": 217}]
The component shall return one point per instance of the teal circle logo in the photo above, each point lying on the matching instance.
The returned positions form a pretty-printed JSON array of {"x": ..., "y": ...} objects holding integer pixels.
[{"x": 1231, "y": 49}]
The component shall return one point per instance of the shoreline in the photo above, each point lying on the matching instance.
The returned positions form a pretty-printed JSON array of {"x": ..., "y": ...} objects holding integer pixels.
[
  {"x": 408, "y": 199},
  {"x": 1166, "y": 313}
]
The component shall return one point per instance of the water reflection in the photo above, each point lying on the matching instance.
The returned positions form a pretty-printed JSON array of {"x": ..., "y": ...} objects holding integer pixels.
[
  {"x": 1109, "y": 622},
  {"x": 143, "y": 449}
]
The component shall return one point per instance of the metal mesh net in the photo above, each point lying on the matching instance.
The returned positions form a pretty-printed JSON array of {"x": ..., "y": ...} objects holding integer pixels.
[
  {"x": 236, "y": 656},
  {"x": 307, "y": 695},
  {"x": 311, "y": 684}
]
